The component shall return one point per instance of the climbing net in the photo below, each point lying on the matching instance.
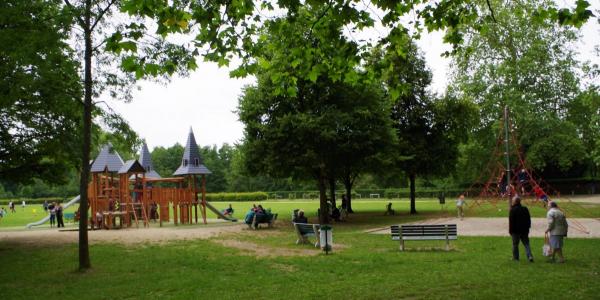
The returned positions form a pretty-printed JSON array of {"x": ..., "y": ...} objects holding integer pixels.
[{"x": 532, "y": 189}]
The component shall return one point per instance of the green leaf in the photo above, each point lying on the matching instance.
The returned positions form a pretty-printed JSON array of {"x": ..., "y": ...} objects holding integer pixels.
[{"x": 314, "y": 74}]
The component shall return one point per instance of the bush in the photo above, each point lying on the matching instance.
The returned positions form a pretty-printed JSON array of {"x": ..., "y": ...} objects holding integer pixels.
[{"x": 237, "y": 197}]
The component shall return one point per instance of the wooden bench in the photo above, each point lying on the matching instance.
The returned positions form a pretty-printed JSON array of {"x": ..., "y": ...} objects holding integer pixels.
[
  {"x": 304, "y": 230},
  {"x": 424, "y": 232}
]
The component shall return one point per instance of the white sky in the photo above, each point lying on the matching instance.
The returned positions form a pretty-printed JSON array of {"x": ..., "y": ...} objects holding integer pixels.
[{"x": 207, "y": 100}]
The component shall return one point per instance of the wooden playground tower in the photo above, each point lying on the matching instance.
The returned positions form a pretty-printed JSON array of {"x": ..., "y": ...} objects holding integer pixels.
[{"x": 133, "y": 192}]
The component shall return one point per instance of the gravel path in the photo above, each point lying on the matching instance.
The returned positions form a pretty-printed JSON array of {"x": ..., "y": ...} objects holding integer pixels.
[{"x": 499, "y": 227}]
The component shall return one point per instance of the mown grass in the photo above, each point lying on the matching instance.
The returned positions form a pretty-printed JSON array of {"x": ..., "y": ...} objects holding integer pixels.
[
  {"x": 365, "y": 210},
  {"x": 363, "y": 266}
]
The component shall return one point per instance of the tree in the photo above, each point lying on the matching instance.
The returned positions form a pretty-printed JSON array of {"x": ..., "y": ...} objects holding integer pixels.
[
  {"x": 527, "y": 64},
  {"x": 39, "y": 93},
  {"x": 584, "y": 113},
  {"x": 326, "y": 128},
  {"x": 365, "y": 139},
  {"x": 428, "y": 130},
  {"x": 120, "y": 49},
  {"x": 167, "y": 160},
  {"x": 217, "y": 160}
]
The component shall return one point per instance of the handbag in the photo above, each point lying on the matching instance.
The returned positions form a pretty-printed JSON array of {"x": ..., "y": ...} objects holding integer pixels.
[{"x": 546, "y": 249}]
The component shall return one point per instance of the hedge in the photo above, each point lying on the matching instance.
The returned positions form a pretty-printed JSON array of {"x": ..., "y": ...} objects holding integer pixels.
[{"x": 235, "y": 197}]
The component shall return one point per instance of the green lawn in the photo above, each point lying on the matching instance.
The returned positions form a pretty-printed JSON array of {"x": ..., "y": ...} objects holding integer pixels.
[
  {"x": 368, "y": 267},
  {"x": 362, "y": 266},
  {"x": 365, "y": 208}
]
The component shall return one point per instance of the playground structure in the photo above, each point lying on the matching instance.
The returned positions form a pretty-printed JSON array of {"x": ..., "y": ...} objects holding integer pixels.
[
  {"x": 133, "y": 192},
  {"x": 506, "y": 181}
]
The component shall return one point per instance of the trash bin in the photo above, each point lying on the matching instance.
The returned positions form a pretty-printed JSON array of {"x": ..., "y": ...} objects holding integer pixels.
[{"x": 326, "y": 238}]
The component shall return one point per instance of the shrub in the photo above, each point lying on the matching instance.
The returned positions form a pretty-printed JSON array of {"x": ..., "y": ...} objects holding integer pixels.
[{"x": 237, "y": 197}]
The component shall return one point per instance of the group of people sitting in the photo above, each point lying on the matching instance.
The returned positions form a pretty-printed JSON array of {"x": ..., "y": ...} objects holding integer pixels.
[{"x": 257, "y": 214}]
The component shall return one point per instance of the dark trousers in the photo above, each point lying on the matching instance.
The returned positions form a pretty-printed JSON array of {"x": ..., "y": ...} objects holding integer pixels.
[
  {"x": 59, "y": 221},
  {"x": 524, "y": 238}
]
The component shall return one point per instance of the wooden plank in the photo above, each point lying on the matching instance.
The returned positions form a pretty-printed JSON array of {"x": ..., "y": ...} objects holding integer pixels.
[{"x": 441, "y": 237}]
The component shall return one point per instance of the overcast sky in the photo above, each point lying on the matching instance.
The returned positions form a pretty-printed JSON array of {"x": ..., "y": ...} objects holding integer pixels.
[{"x": 207, "y": 100}]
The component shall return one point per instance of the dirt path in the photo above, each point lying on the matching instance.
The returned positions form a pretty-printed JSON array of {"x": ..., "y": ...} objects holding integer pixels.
[
  {"x": 121, "y": 236},
  {"x": 583, "y": 198},
  {"x": 499, "y": 227}
]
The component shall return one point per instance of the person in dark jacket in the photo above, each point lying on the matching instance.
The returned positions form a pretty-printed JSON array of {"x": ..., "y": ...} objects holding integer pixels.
[
  {"x": 300, "y": 218},
  {"x": 519, "y": 222},
  {"x": 59, "y": 216}
]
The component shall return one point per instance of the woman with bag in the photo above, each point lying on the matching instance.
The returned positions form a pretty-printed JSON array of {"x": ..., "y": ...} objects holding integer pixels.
[{"x": 557, "y": 228}]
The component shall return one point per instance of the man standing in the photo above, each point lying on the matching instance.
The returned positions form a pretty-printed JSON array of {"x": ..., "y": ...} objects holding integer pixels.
[
  {"x": 519, "y": 222},
  {"x": 558, "y": 228},
  {"x": 59, "y": 216}
]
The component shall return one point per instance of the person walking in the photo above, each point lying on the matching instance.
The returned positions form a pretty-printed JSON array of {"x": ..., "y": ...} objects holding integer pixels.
[
  {"x": 460, "y": 203},
  {"x": 59, "y": 216},
  {"x": 557, "y": 228},
  {"x": 11, "y": 206},
  {"x": 519, "y": 223}
]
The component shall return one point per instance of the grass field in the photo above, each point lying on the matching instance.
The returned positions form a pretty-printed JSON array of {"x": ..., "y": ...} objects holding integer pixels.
[
  {"x": 362, "y": 266},
  {"x": 365, "y": 208},
  {"x": 368, "y": 267}
]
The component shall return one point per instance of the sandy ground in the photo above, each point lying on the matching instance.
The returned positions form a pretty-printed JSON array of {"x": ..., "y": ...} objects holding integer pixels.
[
  {"x": 121, "y": 236},
  {"x": 499, "y": 227},
  {"x": 224, "y": 230}
]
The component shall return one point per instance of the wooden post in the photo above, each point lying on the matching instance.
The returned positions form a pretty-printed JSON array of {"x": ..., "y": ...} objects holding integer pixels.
[
  {"x": 195, "y": 199},
  {"x": 204, "y": 198},
  {"x": 175, "y": 213}
]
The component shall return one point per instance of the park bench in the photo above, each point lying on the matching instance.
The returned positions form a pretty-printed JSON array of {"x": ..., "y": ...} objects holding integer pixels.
[
  {"x": 267, "y": 218},
  {"x": 69, "y": 217},
  {"x": 424, "y": 232},
  {"x": 304, "y": 230}
]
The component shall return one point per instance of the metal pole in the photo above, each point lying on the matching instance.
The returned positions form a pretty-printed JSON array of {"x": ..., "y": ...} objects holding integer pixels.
[{"x": 507, "y": 156}]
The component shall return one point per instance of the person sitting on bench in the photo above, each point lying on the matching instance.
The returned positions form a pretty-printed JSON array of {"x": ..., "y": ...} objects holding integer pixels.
[
  {"x": 335, "y": 214},
  {"x": 300, "y": 218},
  {"x": 249, "y": 216},
  {"x": 389, "y": 210}
]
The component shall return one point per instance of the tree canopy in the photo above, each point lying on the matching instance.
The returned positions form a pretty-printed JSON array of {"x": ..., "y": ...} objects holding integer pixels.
[
  {"x": 528, "y": 65},
  {"x": 39, "y": 93}
]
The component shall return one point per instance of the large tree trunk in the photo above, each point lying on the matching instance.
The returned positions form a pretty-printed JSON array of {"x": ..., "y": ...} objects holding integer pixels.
[
  {"x": 348, "y": 183},
  {"x": 84, "y": 253},
  {"x": 332, "y": 190},
  {"x": 322, "y": 184},
  {"x": 413, "y": 210}
]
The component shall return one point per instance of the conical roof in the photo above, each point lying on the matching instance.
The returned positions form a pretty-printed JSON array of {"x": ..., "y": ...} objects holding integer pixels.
[
  {"x": 146, "y": 161},
  {"x": 191, "y": 162},
  {"x": 107, "y": 159}
]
